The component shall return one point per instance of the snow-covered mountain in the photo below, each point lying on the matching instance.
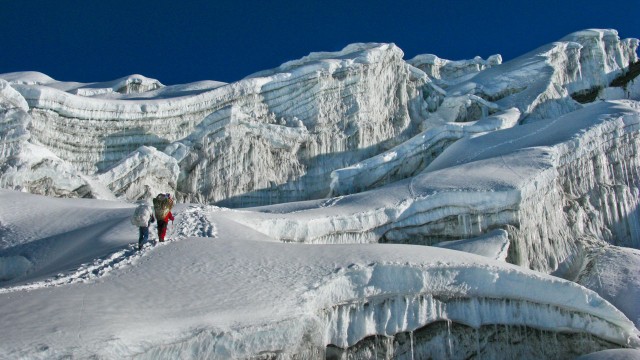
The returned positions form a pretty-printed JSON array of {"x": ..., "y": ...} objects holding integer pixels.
[{"x": 505, "y": 196}]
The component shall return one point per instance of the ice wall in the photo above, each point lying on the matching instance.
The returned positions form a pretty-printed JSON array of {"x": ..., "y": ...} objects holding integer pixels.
[
  {"x": 26, "y": 165},
  {"x": 142, "y": 175},
  {"x": 557, "y": 187},
  {"x": 310, "y": 116},
  {"x": 14, "y": 120},
  {"x": 272, "y": 137},
  {"x": 585, "y": 194},
  {"x": 277, "y": 135},
  {"x": 498, "y": 96}
]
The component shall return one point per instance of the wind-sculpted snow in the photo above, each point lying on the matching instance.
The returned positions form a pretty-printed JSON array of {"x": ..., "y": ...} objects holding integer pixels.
[
  {"x": 277, "y": 135},
  {"x": 262, "y": 138},
  {"x": 142, "y": 175},
  {"x": 447, "y": 72},
  {"x": 97, "y": 240},
  {"x": 413, "y": 155},
  {"x": 372, "y": 302},
  {"x": 241, "y": 295},
  {"x": 575, "y": 171}
]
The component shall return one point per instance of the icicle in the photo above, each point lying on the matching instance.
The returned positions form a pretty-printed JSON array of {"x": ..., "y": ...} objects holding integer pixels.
[
  {"x": 375, "y": 346},
  {"x": 411, "y": 343},
  {"x": 508, "y": 342},
  {"x": 449, "y": 341},
  {"x": 542, "y": 346},
  {"x": 464, "y": 221},
  {"x": 477, "y": 331}
]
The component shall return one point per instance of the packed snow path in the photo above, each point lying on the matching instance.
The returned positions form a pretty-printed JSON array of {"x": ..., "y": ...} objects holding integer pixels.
[{"x": 191, "y": 221}]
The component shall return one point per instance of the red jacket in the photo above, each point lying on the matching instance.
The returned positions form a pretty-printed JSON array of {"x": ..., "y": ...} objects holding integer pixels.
[{"x": 168, "y": 217}]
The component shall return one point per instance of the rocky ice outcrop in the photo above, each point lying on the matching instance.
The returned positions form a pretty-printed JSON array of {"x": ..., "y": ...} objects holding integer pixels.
[
  {"x": 579, "y": 62},
  {"x": 603, "y": 56}
]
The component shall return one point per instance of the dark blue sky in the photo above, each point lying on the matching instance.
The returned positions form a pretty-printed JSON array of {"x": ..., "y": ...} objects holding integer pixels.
[{"x": 226, "y": 40}]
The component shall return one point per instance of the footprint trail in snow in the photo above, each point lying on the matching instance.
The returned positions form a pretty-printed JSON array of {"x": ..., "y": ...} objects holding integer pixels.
[{"x": 191, "y": 222}]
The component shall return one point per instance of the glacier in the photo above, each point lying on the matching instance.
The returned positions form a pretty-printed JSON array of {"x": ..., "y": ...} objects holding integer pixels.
[
  {"x": 344, "y": 205},
  {"x": 311, "y": 116}
]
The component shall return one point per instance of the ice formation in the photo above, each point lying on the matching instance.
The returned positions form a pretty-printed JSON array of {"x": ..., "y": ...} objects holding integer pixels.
[
  {"x": 521, "y": 178},
  {"x": 277, "y": 135},
  {"x": 447, "y": 72}
]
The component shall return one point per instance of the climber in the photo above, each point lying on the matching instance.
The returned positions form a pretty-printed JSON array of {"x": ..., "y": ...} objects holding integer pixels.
[
  {"x": 143, "y": 217},
  {"x": 162, "y": 205}
]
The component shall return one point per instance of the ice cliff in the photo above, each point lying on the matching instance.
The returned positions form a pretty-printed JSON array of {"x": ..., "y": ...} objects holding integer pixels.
[
  {"x": 277, "y": 135},
  {"x": 272, "y": 137}
]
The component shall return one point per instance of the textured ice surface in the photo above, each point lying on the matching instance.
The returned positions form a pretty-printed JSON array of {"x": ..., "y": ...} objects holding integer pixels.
[
  {"x": 447, "y": 72},
  {"x": 142, "y": 175},
  {"x": 615, "y": 354},
  {"x": 614, "y": 273},
  {"x": 494, "y": 245},
  {"x": 498, "y": 160},
  {"x": 277, "y": 135}
]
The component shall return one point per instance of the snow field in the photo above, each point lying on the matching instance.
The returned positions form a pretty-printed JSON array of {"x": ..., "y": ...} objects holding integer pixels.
[{"x": 240, "y": 294}]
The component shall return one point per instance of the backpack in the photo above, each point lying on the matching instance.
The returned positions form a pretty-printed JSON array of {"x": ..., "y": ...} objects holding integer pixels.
[
  {"x": 141, "y": 215},
  {"x": 162, "y": 205}
]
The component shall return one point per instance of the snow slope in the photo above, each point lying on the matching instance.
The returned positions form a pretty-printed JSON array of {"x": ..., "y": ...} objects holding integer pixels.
[{"x": 236, "y": 293}]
